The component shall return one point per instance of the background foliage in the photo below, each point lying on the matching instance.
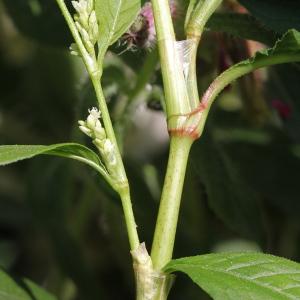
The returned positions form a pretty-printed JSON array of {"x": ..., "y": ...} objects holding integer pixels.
[{"x": 62, "y": 227}]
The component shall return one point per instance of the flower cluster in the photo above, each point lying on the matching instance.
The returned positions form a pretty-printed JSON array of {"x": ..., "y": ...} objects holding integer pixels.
[
  {"x": 87, "y": 25},
  {"x": 142, "y": 33},
  {"x": 93, "y": 128}
]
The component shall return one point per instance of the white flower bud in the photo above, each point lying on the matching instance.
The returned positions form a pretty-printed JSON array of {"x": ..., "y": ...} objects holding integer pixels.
[
  {"x": 93, "y": 118},
  {"x": 108, "y": 146},
  {"x": 100, "y": 131},
  {"x": 95, "y": 112},
  {"x": 98, "y": 143},
  {"x": 77, "y": 6},
  {"x": 93, "y": 27},
  {"x": 78, "y": 26},
  {"x": 86, "y": 131},
  {"x": 84, "y": 34},
  {"x": 84, "y": 21},
  {"x": 89, "y": 46},
  {"x": 91, "y": 122},
  {"x": 74, "y": 50},
  {"x": 90, "y": 6},
  {"x": 109, "y": 152}
]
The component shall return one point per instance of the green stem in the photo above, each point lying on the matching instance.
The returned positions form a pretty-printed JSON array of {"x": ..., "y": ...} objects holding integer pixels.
[
  {"x": 129, "y": 218},
  {"x": 109, "y": 128},
  {"x": 191, "y": 78},
  {"x": 233, "y": 74},
  {"x": 164, "y": 236},
  {"x": 194, "y": 30},
  {"x": 200, "y": 15},
  {"x": 176, "y": 96},
  {"x": 122, "y": 186}
]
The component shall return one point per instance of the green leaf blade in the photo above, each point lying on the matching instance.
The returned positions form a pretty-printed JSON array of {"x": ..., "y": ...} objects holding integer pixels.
[
  {"x": 229, "y": 195},
  {"x": 21, "y": 290},
  {"x": 286, "y": 50},
  {"x": 247, "y": 276},
  {"x": 276, "y": 14},
  {"x": 114, "y": 17},
  {"x": 242, "y": 26},
  {"x": 13, "y": 153}
]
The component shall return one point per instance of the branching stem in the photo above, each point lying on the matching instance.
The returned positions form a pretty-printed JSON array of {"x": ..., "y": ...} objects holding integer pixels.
[
  {"x": 94, "y": 70},
  {"x": 181, "y": 100}
]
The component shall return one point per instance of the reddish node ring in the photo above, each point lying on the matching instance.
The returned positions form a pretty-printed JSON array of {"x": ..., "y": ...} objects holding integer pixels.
[
  {"x": 190, "y": 131},
  {"x": 185, "y": 132}
]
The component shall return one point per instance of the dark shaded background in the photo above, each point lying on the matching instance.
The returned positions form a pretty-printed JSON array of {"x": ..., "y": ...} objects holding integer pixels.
[{"x": 62, "y": 226}]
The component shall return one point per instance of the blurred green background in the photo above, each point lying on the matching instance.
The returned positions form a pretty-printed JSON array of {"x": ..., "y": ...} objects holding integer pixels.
[{"x": 61, "y": 225}]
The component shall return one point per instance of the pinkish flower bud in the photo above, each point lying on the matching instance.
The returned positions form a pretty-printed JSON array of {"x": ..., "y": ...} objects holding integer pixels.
[
  {"x": 283, "y": 109},
  {"x": 142, "y": 33}
]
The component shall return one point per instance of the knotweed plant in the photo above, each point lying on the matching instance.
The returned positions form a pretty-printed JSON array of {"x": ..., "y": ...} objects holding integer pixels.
[{"x": 95, "y": 25}]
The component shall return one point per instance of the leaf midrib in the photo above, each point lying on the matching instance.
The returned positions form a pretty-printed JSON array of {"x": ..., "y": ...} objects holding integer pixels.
[
  {"x": 112, "y": 32},
  {"x": 245, "y": 278}
]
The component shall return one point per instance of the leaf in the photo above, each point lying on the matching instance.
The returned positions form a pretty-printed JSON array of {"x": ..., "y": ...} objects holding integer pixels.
[
  {"x": 49, "y": 198},
  {"x": 21, "y": 290},
  {"x": 37, "y": 292},
  {"x": 276, "y": 14},
  {"x": 229, "y": 196},
  {"x": 247, "y": 276},
  {"x": 13, "y": 153},
  {"x": 286, "y": 50},
  {"x": 274, "y": 173},
  {"x": 241, "y": 25},
  {"x": 114, "y": 17}
]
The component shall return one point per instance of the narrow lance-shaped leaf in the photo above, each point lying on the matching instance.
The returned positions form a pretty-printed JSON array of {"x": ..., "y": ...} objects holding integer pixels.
[
  {"x": 114, "y": 17},
  {"x": 21, "y": 290},
  {"x": 247, "y": 276},
  {"x": 13, "y": 153}
]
